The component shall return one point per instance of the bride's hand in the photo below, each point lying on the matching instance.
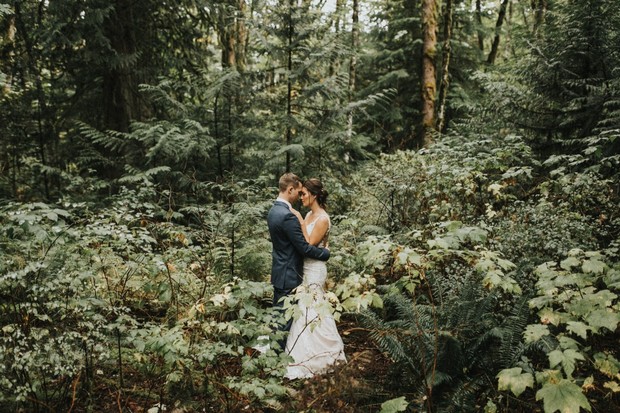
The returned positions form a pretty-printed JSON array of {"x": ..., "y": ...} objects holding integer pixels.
[{"x": 298, "y": 215}]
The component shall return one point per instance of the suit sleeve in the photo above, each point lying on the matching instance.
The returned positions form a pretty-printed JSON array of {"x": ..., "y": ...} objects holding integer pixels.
[{"x": 293, "y": 230}]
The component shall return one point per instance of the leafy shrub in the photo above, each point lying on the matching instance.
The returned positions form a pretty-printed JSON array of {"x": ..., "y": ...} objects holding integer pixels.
[
  {"x": 577, "y": 305},
  {"x": 53, "y": 330}
]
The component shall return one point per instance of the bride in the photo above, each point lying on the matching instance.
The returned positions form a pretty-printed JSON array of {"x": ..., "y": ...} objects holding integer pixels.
[{"x": 313, "y": 341}]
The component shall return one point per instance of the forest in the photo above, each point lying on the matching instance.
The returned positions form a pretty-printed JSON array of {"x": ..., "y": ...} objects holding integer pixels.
[{"x": 470, "y": 148}]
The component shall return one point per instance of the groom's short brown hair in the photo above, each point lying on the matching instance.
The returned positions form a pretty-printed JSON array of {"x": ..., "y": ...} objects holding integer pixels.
[{"x": 287, "y": 179}]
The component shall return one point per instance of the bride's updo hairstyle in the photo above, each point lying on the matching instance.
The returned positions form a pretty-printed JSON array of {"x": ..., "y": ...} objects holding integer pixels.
[{"x": 315, "y": 187}]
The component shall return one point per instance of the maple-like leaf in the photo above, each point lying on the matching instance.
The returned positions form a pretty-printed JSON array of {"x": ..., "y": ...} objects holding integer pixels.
[
  {"x": 514, "y": 380},
  {"x": 564, "y": 396}
]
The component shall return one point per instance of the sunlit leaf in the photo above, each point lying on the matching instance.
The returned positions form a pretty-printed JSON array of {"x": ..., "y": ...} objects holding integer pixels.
[
  {"x": 514, "y": 380},
  {"x": 535, "y": 332},
  {"x": 564, "y": 396},
  {"x": 394, "y": 405}
]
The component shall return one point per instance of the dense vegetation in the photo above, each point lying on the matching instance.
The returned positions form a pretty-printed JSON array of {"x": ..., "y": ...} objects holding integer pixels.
[{"x": 476, "y": 238}]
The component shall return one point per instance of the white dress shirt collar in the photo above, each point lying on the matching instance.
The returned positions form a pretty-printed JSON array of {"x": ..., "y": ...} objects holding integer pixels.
[{"x": 285, "y": 201}]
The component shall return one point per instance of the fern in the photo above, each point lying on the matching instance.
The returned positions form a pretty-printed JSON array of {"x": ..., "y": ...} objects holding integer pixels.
[
  {"x": 452, "y": 349},
  {"x": 112, "y": 140}
]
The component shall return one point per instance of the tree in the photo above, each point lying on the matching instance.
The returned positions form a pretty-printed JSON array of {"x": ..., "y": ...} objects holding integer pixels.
[
  {"x": 540, "y": 7},
  {"x": 445, "y": 67},
  {"x": 355, "y": 43},
  {"x": 498, "y": 27},
  {"x": 429, "y": 76}
]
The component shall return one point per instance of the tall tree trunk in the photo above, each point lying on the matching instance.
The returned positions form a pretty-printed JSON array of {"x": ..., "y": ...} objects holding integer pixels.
[
  {"x": 229, "y": 136},
  {"x": 216, "y": 136},
  {"x": 429, "y": 80},
  {"x": 337, "y": 22},
  {"x": 498, "y": 28},
  {"x": 45, "y": 130},
  {"x": 355, "y": 40},
  {"x": 479, "y": 22},
  {"x": 289, "y": 84},
  {"x": 242, "y": 36},
  {"x": 233, "y": 36},
  {"x": 540, "y": 7},
  {"x": 121, "y": 103},
  {"x": 445, "y": 69},
  {"x": 8, "y": 53},
  {"x": 232, "y": 33}
]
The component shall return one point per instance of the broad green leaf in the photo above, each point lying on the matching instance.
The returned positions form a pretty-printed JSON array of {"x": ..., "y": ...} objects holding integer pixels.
[
  {"x": 612, "y": 279},
  {"x": 603, "y": 318},
  {"x": 505, "y": 264},
  {"x": 542, "y": 301},
  {"x": 578, "y": 328},
  {"x": 567, "y": 342},
  {"x": 490, "y": 407},
  {"x": 566, "y": 358},
  {"x": 409, "y": 256},
  {"x": 444, "y": 243},
  {"x": 514, "y": 380},
  {"x": 564, "y": 396},
  {"x": 604, "y": 298},
  {"x": 569, "y": 263},
  {"x": 607, "y": 364},
  {"x": 475, "y": 234},
  {"x": 548, "y": 316},
  {"x": 575, "y": 252},
  {"x": 593, "y": 266},
  {"x": 377, "y": 301},
  {"x": 535, "y": 332},
  {"x": 492, "y": 279},
  {"x": 612, "y": 385},
  {"x": 548, "y": 376},
  {"x": 395, "y": 405}
]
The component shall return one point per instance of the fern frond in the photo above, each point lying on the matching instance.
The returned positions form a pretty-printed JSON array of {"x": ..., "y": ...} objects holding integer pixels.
[{"x": 111, "y": 140}]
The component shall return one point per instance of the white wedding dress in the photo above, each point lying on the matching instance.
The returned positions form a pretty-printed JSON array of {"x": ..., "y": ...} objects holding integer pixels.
[{"x": 313, "y": 341}]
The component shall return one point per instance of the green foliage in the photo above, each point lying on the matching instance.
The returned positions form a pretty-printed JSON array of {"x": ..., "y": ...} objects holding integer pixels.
[
  {"x": 395, "y": 405},
  {"x": 486, "y": 221},
  {"x": 441, "y": 332},
  {"x": 565, "y": 397},
  {"x": 87, "y": 291},
  {"x": 515, "y": 380},
  {"x": 151, "y": 268},
  {"x": 52, "y": 330},
  {"x": 576, "y": 302},
  {"x": 562, "y": 88}
]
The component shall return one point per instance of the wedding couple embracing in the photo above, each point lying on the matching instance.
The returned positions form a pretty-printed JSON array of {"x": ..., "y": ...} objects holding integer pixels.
[{"x": 300, "y": 250}]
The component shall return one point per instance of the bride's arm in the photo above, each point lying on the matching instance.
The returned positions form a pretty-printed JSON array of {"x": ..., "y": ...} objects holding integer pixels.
[{"x": 318, "y": 232}]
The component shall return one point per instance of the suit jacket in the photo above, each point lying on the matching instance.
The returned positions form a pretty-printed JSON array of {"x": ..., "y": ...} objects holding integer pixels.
[{"x": 289, "y": 247}]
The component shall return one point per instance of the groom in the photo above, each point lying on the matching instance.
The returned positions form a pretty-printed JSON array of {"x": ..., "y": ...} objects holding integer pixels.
[{"x": 289, "y": 245}]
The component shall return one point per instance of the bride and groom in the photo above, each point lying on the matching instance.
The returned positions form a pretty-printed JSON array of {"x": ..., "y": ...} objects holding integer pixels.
[{"x": 298, "y": 264}]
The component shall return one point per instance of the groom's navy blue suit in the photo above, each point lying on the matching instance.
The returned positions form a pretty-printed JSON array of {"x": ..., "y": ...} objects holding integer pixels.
[{"x": 289, "y": 249}]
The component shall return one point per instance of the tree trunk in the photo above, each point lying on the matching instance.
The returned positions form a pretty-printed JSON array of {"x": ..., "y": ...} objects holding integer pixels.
[
  {"x": 479, "y": 22},
  {"x": 289, "y": 85},
  {"x": 355, "y": 40},
  {"x": 232, "y": 33},
  {"x": 498, "y": 27},
  {"x": 44, "y": 132},
  {"x": 242, "y": 36},
  {"x": 429, "y": 81},
  {"x": 121, "y": 104},
  {"x": 216, "y": 136},
  {"x": 540, "y": 7},
  {"x": 445, "y": 69},
  {"x": 334, "y": 63}
]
